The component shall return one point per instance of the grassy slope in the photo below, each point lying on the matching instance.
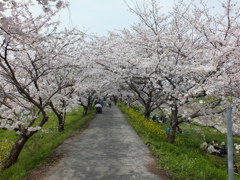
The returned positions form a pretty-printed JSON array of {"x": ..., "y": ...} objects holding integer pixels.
[
  {"x": 184, "y": 159},
  {"x": 42, "y": 144}
]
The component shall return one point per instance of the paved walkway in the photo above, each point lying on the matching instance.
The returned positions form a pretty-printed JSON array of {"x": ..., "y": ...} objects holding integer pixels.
[{"x": 108, "y": 150}]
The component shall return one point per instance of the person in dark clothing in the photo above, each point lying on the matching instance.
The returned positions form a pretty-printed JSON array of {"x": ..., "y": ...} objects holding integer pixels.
[
  {"x": 223, "y": 149},
  {"x": 154, "y": 118},
  {"x": 179, "y": 130},
  {"x": 98, "y": 107}
]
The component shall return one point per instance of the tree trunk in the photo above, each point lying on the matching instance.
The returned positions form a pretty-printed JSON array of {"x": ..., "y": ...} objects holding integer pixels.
[
  {"x": 89, "y": 104},
  {"x": 147, "y": 110},
  {"x": 147, "y": 113},
  {"x": 16, "y": 150},
  {"x": 20, "y": 142},
  {"x": 60, "y": 122},
  {"x": 173, "y": 125},
  {"x": 85, "y": 110},
  {"x": 59, "y": 116}
]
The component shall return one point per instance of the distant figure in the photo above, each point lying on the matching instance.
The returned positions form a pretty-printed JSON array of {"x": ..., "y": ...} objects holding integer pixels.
[
  {"x": 237, "y": 168},
  {"x": 98, "y": 107},
  {"x": 223, "y": 149},
  {"x": 163, "y": 118},
  {"x": 215, "y": 144},
  {"x": 213, "y": 151},
  {"x": 211, "y": 148},
  {"x": 109, "y": 102},
  {"x": 154, "y": 118},
  {"x": 168, "y": 130},
  {"x": 179, "y": 130}
]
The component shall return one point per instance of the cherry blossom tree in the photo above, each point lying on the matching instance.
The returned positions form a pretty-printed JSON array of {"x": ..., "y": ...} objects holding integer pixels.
[
  {"x": 219, "y": 25},
  {"x": 67, "y": 47},
  {"x": 47, "y": 5},
  {"x": 154, "y": 59},
  {"x": 170, "y": 53},
  {"x": 123, "y": 58},
  {"x": 86, "y": 99},
  {"x": 93, "y": 82},
  {"x": 26, "y": 63},
  {"x": 86, "y": 88},
  {"x": 190, "y": 57},
  {"x": 146, "y": 93}
]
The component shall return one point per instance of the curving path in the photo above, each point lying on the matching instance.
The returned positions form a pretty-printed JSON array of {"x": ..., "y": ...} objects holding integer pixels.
[{"x": 108, "y": 150}]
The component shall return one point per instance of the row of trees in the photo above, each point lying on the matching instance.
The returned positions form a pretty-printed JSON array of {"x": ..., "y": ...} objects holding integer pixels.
[
  {"x": 168, "y": 60},
  {"x": 42, "y": 69},
  {"x": 164, "y": 61}
]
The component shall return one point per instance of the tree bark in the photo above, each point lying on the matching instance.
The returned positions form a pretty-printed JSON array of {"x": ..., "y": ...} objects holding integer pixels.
[
  {"x": 85, "y": 110},
  {"x": 147, "y": 109},
  {"x": 90, "y": 100},
  {"x": 147, "y": 113},
  {"x": 61, "y": 122},
  {"x": 59, "y": 117},
  {"x": 16, "y": 150},
  {"x": 20, "y": 142},
  {"x": 173, "y": 125}
]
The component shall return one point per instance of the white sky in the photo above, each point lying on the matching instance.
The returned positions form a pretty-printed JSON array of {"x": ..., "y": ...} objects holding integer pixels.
[{"x": 100, "y": 16}]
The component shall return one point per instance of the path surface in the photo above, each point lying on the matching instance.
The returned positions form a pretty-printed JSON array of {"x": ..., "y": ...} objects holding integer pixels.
[{"x": 108, "y": 150}]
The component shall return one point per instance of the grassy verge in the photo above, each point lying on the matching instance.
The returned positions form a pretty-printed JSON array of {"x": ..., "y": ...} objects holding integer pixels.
[
  {"x": 42, "y": 144},
  {"x": 184, "y": 159}
]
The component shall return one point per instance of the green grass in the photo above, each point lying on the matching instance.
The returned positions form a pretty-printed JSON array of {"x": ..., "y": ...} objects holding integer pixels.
[
  {"x": 183, "y": 159},
  {"x": 42, "y": 144}
]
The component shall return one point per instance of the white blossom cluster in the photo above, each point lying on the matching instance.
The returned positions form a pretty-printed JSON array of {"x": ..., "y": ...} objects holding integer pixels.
[
  {"x": 237, "y": 148},
  {"x": 189, "y": 53},
  {"x": 38, "y": 66}
]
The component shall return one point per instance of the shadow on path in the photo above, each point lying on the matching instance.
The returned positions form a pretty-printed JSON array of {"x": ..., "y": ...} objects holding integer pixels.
[{"x": 108, "y": 150}]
